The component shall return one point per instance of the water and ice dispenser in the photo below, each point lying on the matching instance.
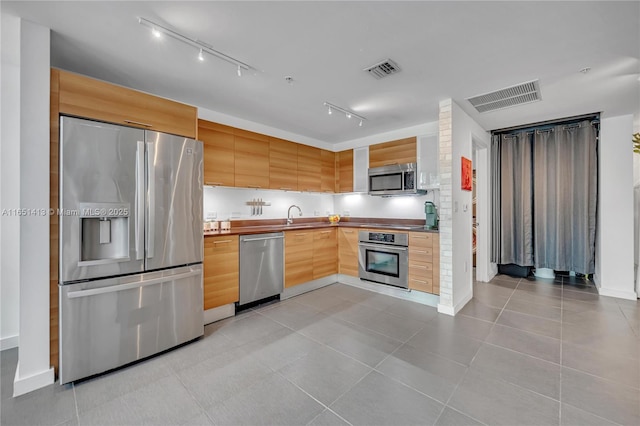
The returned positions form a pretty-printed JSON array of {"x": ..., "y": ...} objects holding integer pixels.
[{"x": 104, "y": 232}]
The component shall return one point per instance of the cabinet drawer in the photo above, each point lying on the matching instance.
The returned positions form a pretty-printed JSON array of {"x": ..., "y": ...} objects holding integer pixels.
[
  {"x": 420, "y": 266},
  {"x": 298, "y": 238},
  {"x": 420, "y": 240},
  {"x": 421, "y": 284},
  {"x": 222, "y": 244},
  {"x": 421, "y": 251}
]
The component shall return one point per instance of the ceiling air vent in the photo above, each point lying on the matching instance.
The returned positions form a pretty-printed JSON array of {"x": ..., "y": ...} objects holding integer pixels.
[
  {"x": 383, "y": 69},
  {"x": 511, "y": 96}
]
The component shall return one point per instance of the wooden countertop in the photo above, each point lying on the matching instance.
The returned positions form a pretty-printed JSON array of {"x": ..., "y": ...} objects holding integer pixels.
[{"x": 253, "y": 227}]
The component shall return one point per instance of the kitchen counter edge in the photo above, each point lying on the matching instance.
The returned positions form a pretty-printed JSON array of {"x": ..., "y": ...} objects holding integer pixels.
[{"x": 264, "y": 229}]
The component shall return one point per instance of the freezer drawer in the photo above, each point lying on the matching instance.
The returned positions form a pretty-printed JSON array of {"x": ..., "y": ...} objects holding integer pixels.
[{"x": 109, "y": 323}]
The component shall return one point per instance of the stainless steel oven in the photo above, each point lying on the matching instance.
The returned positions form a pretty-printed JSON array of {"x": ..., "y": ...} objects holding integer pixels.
[{"x": 383, "y": 257}]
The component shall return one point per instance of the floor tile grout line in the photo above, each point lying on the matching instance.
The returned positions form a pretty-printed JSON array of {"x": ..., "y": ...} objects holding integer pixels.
[
  {"x": 184, "y": 385},
  {"x": 474, "y": 356},
  {"x": 75, "y": 401},
  {"x": 592, "y": 414}
]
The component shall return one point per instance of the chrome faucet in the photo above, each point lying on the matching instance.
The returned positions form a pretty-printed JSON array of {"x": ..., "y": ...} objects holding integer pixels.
[{"x": 289, "y": 218}]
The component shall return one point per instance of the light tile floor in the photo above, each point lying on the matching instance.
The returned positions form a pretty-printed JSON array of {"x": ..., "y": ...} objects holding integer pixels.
[{"x": 522, "y": 352}]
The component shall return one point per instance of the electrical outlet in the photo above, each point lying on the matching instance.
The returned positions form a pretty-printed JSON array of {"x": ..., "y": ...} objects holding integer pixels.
[
  {"x": 235, "y": 215},
  {"x": 346, "y": 213},
  {"x": 316, "y": 212},
  {"x": 212, "y": 215}
]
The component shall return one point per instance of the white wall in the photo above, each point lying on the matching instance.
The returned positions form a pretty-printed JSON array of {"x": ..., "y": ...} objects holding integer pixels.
[
  {"x": 457, "y": 134},
  {"x": 9, "y": 191},
  {"x": 32, "y": 181},
  {"x": 614, "y": 274},
  {"x": 224, "y": 203},
  {"x": 230, "y": 203},
  {"x": 404, "y": 207}
]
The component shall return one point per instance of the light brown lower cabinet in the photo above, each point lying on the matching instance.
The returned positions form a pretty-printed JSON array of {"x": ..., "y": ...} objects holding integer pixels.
[
  {"x": 221, "y": 270},
  {"x": 348, "y": 251},
  {"x": 424, "y": 262},
  {"x": 298, "y": 257},
  {"x": 325, "y": 253}
]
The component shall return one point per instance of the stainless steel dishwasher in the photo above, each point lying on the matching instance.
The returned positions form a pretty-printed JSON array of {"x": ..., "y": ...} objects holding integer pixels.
[{"x": 261, "y": 266}]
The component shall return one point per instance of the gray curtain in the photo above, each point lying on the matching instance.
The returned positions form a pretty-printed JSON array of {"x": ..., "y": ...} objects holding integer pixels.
[
  {"x": 564, "y": 198},
  {"x": 516, "y": 221}
]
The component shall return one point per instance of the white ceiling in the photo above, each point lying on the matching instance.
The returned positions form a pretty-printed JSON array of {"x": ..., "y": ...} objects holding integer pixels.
[{"x": 445, "y": 50}]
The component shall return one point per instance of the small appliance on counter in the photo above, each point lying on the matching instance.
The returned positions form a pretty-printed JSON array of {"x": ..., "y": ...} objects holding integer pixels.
[{"x": 431, "y": 214}]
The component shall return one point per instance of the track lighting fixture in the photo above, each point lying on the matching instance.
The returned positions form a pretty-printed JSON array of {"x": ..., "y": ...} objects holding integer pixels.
[
  {"x": 158, "y": 30},
  {"x": 346, "y": 113}
]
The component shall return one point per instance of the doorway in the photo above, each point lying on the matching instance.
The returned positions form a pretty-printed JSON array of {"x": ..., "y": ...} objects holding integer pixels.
[{"x": 481, "y": 223}]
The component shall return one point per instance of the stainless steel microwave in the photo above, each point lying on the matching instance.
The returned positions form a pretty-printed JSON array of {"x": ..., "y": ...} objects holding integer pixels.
[{"x": 396, "y": 179}]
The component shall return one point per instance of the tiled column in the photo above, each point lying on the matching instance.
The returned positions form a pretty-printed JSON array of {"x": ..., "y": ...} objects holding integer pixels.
[{"x": 446, "y": 204}]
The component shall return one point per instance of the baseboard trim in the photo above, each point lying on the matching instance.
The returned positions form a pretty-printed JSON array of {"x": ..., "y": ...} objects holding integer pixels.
[
  {"x": 299, "y": 289},
  {"x": 629, "y": 295},
  {"x": 219, "y": 313},
  {"x": 9, "y": 342},
  {"x": 23, "y": 385},
  {"x": 453, "y": 310},
  {"x": 411, "y": 295}
]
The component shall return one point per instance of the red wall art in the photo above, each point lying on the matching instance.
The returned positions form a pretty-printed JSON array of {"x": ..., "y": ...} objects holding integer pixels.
[{"x": 467, "y": 174}]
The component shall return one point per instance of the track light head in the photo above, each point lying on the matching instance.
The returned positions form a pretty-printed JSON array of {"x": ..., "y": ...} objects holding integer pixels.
[
  {"x": 201, "y": 55},
  {"x": 156, "y": 33},
  {"x": 239, "y": 71},
  {"x": 330, "y": 111},
  {"x": 348, "y": 114}
]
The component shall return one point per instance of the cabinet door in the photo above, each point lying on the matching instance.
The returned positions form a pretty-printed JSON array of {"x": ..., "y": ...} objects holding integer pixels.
[
  {"x": 221, "y": 271},
  {"x": 325, "y": 253},
  {"x": 86, "y": 97},
  {"x": 345, "y": 171},
  {"x": 251, "y": 159},
  {"x": 395, "y": 152},
  {"x": 309, "y": 167},
  {"x": 219, "y": 156},
  {"x": 348, "y": 251},
  {"x": 328, "y": 171},
  {"x": 298, "y": 257},
  {"x": 283, "y": 164}
]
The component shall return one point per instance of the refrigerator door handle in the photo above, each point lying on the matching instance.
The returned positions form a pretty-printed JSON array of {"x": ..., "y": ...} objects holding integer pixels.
[
  {"x": 128, "y": 286},
  {"x": 151, "y": 187},
  {"x": 139, "y": 218}
]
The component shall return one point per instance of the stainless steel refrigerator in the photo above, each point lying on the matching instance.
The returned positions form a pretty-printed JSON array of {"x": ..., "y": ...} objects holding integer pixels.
[{"x": 131, "y": 245}]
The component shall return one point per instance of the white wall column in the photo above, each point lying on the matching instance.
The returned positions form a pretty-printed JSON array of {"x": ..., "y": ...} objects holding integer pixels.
[
  {"x": 457, "y": 134},
  {"x": 614, "y": 239},
  {"x": 9, "y": 191},
  {"x": 34, "y": 370}
]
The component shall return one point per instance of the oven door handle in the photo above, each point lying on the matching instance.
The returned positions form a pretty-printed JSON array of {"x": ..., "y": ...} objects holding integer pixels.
[{"x": 383, "y": 247}]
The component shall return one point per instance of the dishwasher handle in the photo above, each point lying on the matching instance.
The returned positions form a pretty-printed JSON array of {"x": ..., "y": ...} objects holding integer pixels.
[{"x": 246, "y": 240}]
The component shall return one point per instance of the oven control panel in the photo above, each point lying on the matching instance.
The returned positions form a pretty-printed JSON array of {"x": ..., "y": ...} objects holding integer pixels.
[
  {"x": 382, "y": 237},
  {"x": 386, "y": 238}
]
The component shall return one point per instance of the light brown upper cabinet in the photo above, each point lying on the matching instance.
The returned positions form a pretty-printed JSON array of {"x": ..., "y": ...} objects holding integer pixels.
[
  {"x": 395, "y": 152},
  {"x": 283, "y": 164},
  {"x": 251, "y": 159},
  {"x": 309, "y": 168},
  {"x": 327, "y": 171},
  {"x": 219, "y": 153},
  {"x": 344, "y": 175},
  {"x": 86, "y": 97}
]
